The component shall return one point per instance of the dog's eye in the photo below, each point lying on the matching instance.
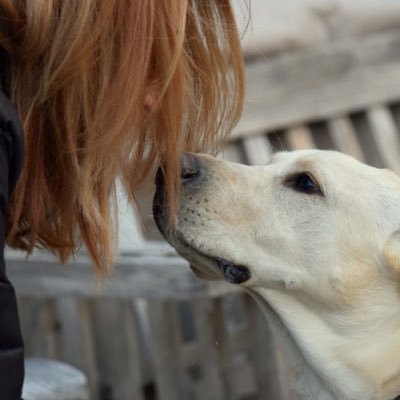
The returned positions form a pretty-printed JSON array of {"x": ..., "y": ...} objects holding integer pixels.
[{"x": 303, "y": 183}]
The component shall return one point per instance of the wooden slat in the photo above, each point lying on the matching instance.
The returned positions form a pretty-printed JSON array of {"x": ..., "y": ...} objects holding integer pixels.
[
  {"x": 68, "y": 310},
  {"x": 115, "y": 337},
  {"x": 166, "y": 346},
  {"x": 320, "y": 134},
  {"x": 222, "y": 345},
  {"x": 40, "y": 327},
  {"x": 257, "y": 149},
  {"x": 344, "y": 137},
  {"x": 214, "y": 384},
  {"x": 386, "y": 136},
  {"x": 395, "y": 109},
  {"x": 277, "y": 141},
  {"x": 320, "y": 83},
  {"x": 270, "y": 373},
  {"x": 238, "y": 344},
  {"x": 152, "y": 277},
  {"x": 231, "y": 152},
  {"x": 367, "y": 141},
  {"x": 77, "y": 338},
  {"x": 243, "y": 379},
  {"x": 299, "y": 137}
]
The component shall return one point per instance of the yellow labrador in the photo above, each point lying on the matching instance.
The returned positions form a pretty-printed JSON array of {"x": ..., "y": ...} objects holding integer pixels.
[{"x": 314, "y": 237}]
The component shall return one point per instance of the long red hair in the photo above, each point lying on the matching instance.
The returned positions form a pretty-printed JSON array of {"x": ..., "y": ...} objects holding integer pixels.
[{"x": 107, "y": 89}]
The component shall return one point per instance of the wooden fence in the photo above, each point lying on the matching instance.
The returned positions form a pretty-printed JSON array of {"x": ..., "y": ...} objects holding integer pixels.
[{"x": 154, "y": 331}]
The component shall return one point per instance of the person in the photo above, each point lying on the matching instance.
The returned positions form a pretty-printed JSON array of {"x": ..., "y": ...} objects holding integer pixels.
[{"x": 92, "y": 91}]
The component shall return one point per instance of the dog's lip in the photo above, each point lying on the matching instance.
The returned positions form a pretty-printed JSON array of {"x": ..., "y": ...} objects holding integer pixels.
[
  {"x": 203, "y": 273},
  {"x": 199, "y": 261},
  {"x": 233, "y": 273}
]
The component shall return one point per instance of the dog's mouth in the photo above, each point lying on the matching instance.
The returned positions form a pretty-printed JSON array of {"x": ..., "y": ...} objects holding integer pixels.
[
  {"x": 207, "y": 266},
  {"x": 210, "y": 267}
]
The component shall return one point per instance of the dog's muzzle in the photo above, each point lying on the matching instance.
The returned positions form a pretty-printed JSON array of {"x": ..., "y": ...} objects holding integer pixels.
[{"x": 193, "y": 173}]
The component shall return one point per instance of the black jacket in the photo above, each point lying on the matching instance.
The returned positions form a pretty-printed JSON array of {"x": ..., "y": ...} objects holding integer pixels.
[{"x": 11, "y": 345}]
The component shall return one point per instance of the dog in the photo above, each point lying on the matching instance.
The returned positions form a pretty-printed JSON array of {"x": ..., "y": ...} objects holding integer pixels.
[{"x": 314, "y": 237}]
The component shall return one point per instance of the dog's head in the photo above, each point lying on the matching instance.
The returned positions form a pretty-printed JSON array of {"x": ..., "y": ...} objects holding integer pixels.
[{"x": 318, "y": 222}]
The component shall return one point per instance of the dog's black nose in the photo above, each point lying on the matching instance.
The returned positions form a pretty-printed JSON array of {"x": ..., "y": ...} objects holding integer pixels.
[{"x": 190, "y": 168}]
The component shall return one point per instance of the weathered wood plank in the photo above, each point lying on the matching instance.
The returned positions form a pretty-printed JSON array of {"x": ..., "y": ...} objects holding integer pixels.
[
  {"x": 217, "y": 322},
  {"x": 395, "y": 109},
  {"x": 320, "y": 134},
  {"x": 386, "y": 136},
  {"x": 156, "y": 277},
  {"x": 40, "y": 327},
  {"x": 344, "y": 137},
  {"x": 277, "y": 141},
  {"x": 270, "y": 373},
  {"x": 321, "y": 83},
  {"x": 299, "y": 137},
  {"x": 166, "y": 346},
  {"x": 213, "y": 383},
  {"x": 231, "y": 152},
  {"x": 77, "y": 338},
  {"x": 116, "y": 343},
  {"x": 257, "y": 149},
  {"x": 366, "y": 139},
  {"x": 68, "y": 311}
]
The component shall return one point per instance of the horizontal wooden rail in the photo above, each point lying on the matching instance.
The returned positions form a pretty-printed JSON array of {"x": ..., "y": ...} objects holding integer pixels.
[{"x": 153, "y": 272}]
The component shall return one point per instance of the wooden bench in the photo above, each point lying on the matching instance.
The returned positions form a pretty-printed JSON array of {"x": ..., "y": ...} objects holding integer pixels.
[
  {"x": 344, "y": 97},
  {"x": 154, "y": 331}
]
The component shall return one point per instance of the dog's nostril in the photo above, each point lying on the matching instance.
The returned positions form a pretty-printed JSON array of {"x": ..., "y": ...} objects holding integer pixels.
[{"x": 190, "y": 168}]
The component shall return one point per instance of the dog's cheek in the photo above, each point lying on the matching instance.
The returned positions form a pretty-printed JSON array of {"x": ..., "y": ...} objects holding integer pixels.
[
  {"x": 391, "y": 251},
  {"x": 292, "y": 284}
]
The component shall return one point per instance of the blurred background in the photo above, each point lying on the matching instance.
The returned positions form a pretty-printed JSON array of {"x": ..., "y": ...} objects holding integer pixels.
[{"x": 320, "y": 74}]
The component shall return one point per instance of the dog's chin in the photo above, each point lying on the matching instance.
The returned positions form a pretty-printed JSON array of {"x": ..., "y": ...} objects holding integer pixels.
[
  {"x": 203, "y": 273},
  {"x": 202, "y": 265},
  {"x": 208, "y": 266}
]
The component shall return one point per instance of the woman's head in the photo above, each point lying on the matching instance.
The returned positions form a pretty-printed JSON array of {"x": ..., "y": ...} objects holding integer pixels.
[{"x": 108, "y": 89}]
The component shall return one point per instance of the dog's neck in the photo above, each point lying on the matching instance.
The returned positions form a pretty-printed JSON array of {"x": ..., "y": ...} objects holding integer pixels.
[{"x": 334, "y": 355}]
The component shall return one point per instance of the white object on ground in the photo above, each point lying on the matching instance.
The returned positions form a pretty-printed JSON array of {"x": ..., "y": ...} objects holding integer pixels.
[{"x": 50, "y": 380}]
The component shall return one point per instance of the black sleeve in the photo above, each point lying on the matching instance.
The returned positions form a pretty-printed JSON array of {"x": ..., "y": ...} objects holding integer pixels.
[{"x": 11, "y": 345}]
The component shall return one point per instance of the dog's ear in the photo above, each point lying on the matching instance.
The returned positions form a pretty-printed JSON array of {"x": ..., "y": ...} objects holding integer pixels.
[{"x": 391, "y": 250}]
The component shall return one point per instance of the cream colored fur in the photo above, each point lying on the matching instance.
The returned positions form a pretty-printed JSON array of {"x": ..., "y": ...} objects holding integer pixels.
[{"x": 325, "y": 268}]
